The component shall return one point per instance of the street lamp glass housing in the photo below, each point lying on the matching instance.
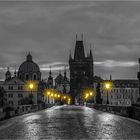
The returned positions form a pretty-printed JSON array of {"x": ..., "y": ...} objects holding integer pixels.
[
  {"x": 31, "y": 86},
  {"x": 108, "y": 85}
]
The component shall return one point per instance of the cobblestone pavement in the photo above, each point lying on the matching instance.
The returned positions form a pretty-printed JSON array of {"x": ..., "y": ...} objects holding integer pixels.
[{"x": 69, "y": 122}]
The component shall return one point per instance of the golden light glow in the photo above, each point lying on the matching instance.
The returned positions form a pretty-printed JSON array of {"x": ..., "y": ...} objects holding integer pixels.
[
  {"x": 86, "y": 95},
  {"x": 52, "y": 94},
  {"x": 107, "y": 85},
  {"x": 48, "y": 93},
  {"x": 58, "y": 96},
  {"x": 91, "y": 93},
  {"x": 69, "y": 101},
  {"x": 64, "y": 97},
  {"x": 30, "y": 85}
]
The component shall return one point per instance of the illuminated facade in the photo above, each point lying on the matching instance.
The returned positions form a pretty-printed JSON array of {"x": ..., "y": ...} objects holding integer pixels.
[
  {"x": 17, "y": 95},
  {"x": 122, "y": 93}
]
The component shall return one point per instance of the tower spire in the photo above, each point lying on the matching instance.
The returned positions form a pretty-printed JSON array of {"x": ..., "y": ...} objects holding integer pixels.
[
  {"x": 50, "y": 73},
  {"x": 70, "y": 57},
  {"x": 15, "y": 73},
  {"x": 110, "y": 77},
  {"x": 90, "y": 53},
  {"x": 65, "y": 74}
]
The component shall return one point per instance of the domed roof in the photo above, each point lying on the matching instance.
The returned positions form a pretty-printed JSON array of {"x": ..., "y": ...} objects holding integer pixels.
[{"x": 29, "y": 65}]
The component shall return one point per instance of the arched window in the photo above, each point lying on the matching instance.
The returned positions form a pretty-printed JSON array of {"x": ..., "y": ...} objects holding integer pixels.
[
  {"x": 27, "y": 77},
  {"x": 34, "y": 76}
]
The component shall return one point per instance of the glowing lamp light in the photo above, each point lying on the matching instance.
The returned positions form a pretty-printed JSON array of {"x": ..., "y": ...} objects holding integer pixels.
[
  {"x": 107, "y": 86},
  {"x": 64, "y": 97},
  {"x": 48, "y": 93},
  {"x": 55, "y": 95},
  {"x": 31, "y": 86},
  {"x": 69, "y": 101},
  {"x": 52, "y": 94},
  {"x": 91, "y": 93},
  {"x": 58, "y": 96},
  {"x": 87, "y": 95}
]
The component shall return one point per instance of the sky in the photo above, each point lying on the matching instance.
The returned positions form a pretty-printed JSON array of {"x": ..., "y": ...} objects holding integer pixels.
[{"x": 47, "y": 29}]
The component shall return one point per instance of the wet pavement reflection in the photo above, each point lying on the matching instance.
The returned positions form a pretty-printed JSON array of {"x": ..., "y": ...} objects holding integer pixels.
[{"x": 69, "y": 122}]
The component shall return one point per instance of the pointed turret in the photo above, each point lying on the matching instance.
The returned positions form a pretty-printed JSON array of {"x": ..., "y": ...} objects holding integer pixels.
[
  {"x": 15, "y": 73},
  {"x": 90, "y": 53},
  {"x": 79, "y": 49},
  {"x": 70, "y": 57},
  {"x": 110, "y": 77},
  {"x": 50, "y": 73},
  {"x": 29, "y": 57},
  {"x": 8, "y": 74},
  {"x": 65, "y": 74}
]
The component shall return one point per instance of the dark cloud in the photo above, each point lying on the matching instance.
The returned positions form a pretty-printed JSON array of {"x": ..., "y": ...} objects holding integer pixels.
[{"x": 47, "y": 30}]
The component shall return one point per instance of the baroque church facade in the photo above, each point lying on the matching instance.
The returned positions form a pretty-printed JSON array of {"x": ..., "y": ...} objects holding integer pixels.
[
  {"x": 15, "y": 85},
  {"x": 81, "y": 71}
]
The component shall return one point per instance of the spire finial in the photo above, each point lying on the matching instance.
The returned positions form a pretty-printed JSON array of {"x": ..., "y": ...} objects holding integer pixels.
[
  {"x": 15, "y": 73},
  {"x": 70, "y": 54},
  {"x": 90, "y": 53},
  {"x": 110, "y": 77},
  {"x": 29, "y": 57},
  {"x": 65, "y": 73},
  {"x": 50, "y": 71}
]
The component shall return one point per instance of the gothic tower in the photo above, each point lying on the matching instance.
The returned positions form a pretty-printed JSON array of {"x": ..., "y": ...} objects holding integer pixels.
[{"x": 81, "y": 71}]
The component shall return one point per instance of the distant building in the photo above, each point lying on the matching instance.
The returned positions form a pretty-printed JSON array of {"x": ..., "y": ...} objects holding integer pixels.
[
  {"x": 50, "y": 85},
  {"x": 122, "y": 93},
  {"x": 62, "y": 83},
  {"x": 15, "y": 85},
  {"x": 81, "y": 71}
]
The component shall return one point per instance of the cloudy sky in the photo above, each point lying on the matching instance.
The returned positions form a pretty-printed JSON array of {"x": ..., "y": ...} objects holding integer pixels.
[{"x": 48, "y": 30}]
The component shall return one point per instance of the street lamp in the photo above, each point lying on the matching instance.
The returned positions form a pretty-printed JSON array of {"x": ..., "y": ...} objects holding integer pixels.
[
  {"x": 31, "y": 87},
  {"x": 107, "y": 87},
  {"x": 69, "y": 101},
  {"x": 90, "y": 93}
]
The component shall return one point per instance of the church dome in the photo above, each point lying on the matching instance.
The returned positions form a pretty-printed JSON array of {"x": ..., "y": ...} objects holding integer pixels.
[
  {"x": 29, "y": 70},
  {"x": 29, "y": 65}
]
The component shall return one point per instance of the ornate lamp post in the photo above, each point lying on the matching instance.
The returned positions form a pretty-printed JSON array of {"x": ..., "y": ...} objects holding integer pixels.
[
  {"x": 31, "y": 87},
  {"x": 107, "y": 87}
]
